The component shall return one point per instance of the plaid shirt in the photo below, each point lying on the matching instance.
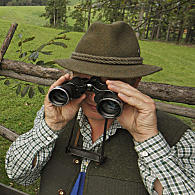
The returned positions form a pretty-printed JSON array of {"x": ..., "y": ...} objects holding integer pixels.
[{"x": 174, "y": 167}]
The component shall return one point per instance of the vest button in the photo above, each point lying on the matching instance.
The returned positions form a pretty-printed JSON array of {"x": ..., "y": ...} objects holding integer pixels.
[
  {"x": 61, "y": 192},
  {"x": 76, "y": 161}
]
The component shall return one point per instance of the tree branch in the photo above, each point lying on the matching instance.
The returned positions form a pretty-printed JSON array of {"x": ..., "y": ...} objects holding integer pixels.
[
  {"x": 7, "y": 40},
  {"x": 8, "y": 134},
  {"x": 169, "y": 93},
  {"x": 174, "y": 109},
  {"x": 46, "y": 76},
  {"x": 32, "y": 69},
  {"x": 27, "y": 78},
  {"x": 164, "y": 10}
]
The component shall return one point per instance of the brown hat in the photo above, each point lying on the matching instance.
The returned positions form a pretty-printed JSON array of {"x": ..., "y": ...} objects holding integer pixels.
[{"x": 108, "y": 50}]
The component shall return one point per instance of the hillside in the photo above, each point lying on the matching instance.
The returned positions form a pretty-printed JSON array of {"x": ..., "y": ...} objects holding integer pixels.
[{"x": 42, "y": 35}]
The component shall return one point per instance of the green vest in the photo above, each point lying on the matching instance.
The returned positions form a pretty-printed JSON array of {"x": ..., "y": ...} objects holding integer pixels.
[{"x": 119, "y": 174}]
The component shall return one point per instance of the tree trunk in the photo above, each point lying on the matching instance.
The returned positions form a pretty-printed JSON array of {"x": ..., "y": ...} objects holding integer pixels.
[
  {"x": 168, "y": 32},
  {"x": 153, "y": 31},
  {"x": 188, "y": 35},
  {"x": 159, "y": 27},
  {"x": 148, "y": 28},
  {"x": 141, "y": 15},
  {"x": 181, "y": 30},
  {"x": 89, "y": 13}
]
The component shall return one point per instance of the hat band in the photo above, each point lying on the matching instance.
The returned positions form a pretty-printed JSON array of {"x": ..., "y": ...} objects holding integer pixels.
[{"x": 107, "y": 60}]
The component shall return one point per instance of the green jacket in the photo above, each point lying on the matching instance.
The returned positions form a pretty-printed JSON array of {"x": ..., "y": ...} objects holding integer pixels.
[{"x": 118, "y": 175}]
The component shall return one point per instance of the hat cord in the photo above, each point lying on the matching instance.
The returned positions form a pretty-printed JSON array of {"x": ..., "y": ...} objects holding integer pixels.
[{"x": 107, "y": 60}]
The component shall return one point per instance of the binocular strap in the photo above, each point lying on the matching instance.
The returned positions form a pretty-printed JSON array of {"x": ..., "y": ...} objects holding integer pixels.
[{"x": 80, "y": 152}]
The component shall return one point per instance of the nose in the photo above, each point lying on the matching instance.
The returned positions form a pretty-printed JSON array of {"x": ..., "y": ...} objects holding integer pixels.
[{"x": 91, "y": 96}]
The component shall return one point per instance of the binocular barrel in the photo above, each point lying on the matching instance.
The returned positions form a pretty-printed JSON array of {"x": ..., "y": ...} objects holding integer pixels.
[{"x": 108, "y": 103}]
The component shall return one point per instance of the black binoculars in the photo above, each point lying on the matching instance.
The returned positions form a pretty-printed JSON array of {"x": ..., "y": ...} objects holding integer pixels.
[{"x": 108, "y": 103}]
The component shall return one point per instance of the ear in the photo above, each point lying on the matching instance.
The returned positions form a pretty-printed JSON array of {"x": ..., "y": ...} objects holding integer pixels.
[{"x": 137, "y": 82}]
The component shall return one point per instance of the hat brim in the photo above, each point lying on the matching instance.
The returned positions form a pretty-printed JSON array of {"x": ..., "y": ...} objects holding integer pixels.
[{"x": 108, "y": 70}]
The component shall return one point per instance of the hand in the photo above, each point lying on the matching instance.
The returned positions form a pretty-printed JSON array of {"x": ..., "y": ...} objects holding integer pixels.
[
  {"x": 139, "y": 112},
  {"x": 57, "y": 117}
]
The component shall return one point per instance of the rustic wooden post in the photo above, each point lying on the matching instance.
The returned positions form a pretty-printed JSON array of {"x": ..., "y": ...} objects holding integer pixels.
[
  {"x": 8, "y": 134},
  {"x": 7, "y": 41}
]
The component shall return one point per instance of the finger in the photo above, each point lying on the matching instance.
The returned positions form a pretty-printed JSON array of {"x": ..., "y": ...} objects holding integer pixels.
[
  {"x": 141, "y": 106},
  {"x": 126, "y": 89},
  {"x": 120, "y": 84},
  {"x": 60, "y": 81}
]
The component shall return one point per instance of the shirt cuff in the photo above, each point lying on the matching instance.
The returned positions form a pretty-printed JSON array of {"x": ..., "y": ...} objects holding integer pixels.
[
  {"x": 153, "y": 149},
  {"x": 42, "y": 133}
]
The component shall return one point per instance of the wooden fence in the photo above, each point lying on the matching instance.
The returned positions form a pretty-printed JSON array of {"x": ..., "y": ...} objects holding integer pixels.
[{"x": 46, "y": 76}]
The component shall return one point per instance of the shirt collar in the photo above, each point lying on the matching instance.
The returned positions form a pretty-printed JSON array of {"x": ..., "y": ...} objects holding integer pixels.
[{"x": 86, "y": 129}]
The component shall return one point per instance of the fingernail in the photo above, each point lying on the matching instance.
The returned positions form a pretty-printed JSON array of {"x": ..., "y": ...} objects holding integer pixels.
[{"x": 121, "y": 95}]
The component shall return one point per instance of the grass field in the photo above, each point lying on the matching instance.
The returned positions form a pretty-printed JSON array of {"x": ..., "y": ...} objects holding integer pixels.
[
  {"x": 23, "y": 14},
  {"x": 178, "y": 63}
]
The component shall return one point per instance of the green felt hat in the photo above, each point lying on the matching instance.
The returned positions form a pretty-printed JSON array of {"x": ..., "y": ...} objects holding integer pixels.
[{"x": 108, "y": 50}]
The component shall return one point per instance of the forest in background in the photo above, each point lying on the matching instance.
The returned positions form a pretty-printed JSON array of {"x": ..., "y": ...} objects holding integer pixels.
[
  {"x": 22, "y": 2},
  {"x": 164, "y": 20}
]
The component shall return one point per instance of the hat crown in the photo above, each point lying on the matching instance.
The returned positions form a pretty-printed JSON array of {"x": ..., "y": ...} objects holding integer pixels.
[
  {"x": 109, "y": 40},
  {"x": 108, "y": 50}
]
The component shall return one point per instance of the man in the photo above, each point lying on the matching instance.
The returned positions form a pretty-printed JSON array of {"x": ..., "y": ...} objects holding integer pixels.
[{"x": 146, "y": 151}]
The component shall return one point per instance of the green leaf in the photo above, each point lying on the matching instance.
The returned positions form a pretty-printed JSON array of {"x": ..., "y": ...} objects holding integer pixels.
[
  {"x": 28, "y": 39},
  {"x": 41, "y": 90},
  {"x": 62, "y": 37},
  {"x": 25, "y": 91},
  {"x": 18, "y": 90},
  {"x": 49, "y": 63},
  {"x": 19, "y": 43},
  {"x": 61, "y": 32},
  {"x": 34, "y": 56},
  {"x": 40, "y": 62},
  {"x": 60, "y": 44},
  {"x": 7, "y": 82},
  {"x": 46, "y": 52},
  {"x": 31, "y": 92},
  {"x": 22, "y": 55},
  {"x": 42, "y": 46},
  {"x": 20, "y": 36}
]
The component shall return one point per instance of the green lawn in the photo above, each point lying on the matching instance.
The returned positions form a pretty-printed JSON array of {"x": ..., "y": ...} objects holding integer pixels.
[
  {"x": 23, "y": 14},
  {"x": 178, "y": 63}
]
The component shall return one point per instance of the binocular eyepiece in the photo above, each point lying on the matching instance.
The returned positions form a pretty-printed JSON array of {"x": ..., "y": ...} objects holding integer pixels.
[{"x": 108, "y": 103}]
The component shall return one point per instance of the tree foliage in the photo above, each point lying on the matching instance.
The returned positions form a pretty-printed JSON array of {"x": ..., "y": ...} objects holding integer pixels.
[
  {"x": 168, "y": 20},
  {"x": 22, "y": 2},
  {"x": 56, "y": 12}
]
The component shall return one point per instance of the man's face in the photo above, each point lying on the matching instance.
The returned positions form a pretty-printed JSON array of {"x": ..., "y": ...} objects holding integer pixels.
[{"x": 89, "y": 105}]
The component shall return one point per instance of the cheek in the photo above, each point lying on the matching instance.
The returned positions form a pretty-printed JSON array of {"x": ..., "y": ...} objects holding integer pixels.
[{"x": 90, "y": 112}]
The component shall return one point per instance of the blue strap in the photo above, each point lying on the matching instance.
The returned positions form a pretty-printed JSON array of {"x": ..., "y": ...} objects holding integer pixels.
[{"x": 79, "y": 184}]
